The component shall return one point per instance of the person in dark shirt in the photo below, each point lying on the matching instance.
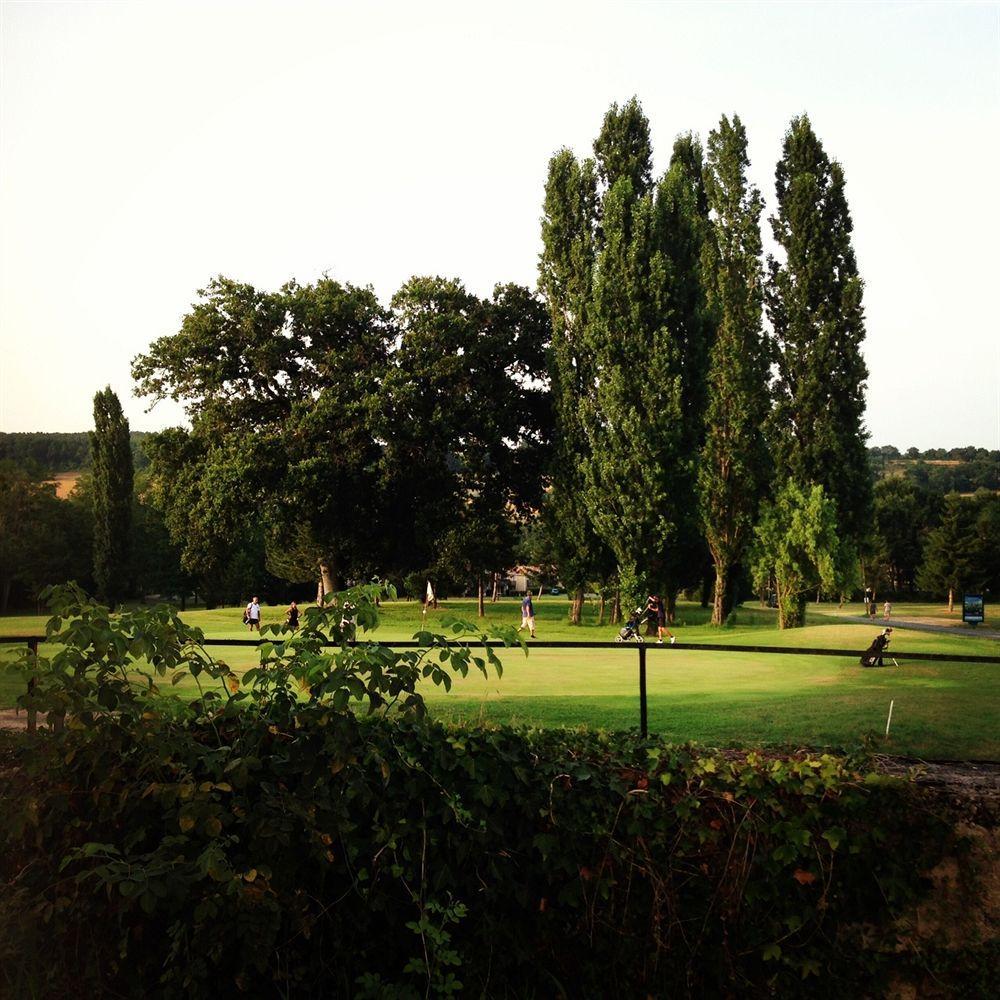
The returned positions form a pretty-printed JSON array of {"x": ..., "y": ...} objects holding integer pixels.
[
  {"x": 292, "y": 615},
  {"x": 527, "y": 614},
  {"x": 656, "y": 611}
]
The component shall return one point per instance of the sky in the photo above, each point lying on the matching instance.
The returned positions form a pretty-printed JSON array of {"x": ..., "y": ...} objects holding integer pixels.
[{"x": 146, "y": 147}]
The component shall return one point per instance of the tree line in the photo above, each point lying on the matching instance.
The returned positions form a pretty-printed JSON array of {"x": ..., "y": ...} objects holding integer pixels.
[
  {"x": 671, "y": 410},
  {"x": 688, "y": 431},
  {"x": 940, "y": 470},
  {"x": 52, "y": 452}
]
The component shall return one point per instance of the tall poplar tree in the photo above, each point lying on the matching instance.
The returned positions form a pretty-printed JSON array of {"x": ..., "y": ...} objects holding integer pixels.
[
  {"x": 111, "y": 454},
  {"x": 620, "y": 272},
  {"x": 814, "y": 302},
  {"x": 566, "y": 267},
  {"x": 734, "y": 457},
  {"x": 682, "y": 225},
  {"x": 632, "y": 407}
]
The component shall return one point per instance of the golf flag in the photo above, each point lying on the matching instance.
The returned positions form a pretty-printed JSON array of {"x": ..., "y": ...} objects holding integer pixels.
[{"x": 429, "y": 599}]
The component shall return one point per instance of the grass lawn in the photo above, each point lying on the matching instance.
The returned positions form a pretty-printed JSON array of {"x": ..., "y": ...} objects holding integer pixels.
[{"x": 941, "y": 709}]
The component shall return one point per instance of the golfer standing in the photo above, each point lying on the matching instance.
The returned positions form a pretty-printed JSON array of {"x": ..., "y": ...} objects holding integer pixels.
[
  {"x": 253, "y": 615},
  {"x": 527, "y": 614}
]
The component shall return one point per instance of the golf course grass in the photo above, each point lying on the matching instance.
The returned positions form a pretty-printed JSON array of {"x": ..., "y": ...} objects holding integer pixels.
[{"x": 940, "y": 709}]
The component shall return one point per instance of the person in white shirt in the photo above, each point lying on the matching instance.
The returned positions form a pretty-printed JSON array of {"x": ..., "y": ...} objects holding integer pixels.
[{"x": 253, "y": 615}]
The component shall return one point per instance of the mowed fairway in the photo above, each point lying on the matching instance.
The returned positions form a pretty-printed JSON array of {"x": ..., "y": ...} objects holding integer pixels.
[{"x": 942, "y": 710}]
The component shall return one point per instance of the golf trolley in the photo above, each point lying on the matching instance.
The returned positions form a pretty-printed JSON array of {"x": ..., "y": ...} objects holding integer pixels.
[{"x": 630, "y": 630}]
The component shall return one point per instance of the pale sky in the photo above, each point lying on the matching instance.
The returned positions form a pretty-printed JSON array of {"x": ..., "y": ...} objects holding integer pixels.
[{"x": 146, "y": 147}]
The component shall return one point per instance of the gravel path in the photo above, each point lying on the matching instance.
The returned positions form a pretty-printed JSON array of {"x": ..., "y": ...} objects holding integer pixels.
[{"x": 956, "y": 630}]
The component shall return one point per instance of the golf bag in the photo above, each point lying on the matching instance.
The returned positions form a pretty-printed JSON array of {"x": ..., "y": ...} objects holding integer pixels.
[
  {"x": 872, "y": 656},
  {"x": 630, "y": 630}
]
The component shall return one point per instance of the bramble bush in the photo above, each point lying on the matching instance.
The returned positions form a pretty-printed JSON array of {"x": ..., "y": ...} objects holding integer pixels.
[{"x": 305, "y": 831}]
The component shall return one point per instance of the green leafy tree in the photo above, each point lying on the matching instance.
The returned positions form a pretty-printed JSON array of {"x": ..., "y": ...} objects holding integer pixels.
[
  {"x": 566, "y": 272},
  {"x": 902, "y": 518},
  {"x": 799, "y": 547},
  {"x": 987, "y": 541},
  {"x": 26, "y": 536},
  {"x": 111, "y": 450},
  {"x": 734, "y": 458},
  {"x": 279, "y": 388},
  {"x": 638, "y": 472},
  {"x": 682, "y": 224},
  {"x": 156, "y": 558},
  {"x": 468, "y": 373},
  {"x": 814, "y": 301},
  {"x": 949, "y": 563}
]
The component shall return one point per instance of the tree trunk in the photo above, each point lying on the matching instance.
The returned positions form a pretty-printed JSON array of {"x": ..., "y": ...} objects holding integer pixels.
[
  {"x": 600, "y": 616},
  {"x": 672, "y": 607},
  {"x": 6, "y": 595},
  {"x": 183, "y": 601},
  {"x": 496, "y": 588},
  {"x": 719, "y": 611},
  {"x": 482, "y": 595},
  {"x": 791, "y": 610},
  {"x": 576, "y": 607},
  {"x": 541, "y": 589},
  {"x": 327, "y": 580},
  {"x": 616, "y": 607},
  {"x": 951, "y": 600}
]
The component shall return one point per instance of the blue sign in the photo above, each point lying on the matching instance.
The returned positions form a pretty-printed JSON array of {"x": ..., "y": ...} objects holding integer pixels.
[{"x": 973, "y": 611}]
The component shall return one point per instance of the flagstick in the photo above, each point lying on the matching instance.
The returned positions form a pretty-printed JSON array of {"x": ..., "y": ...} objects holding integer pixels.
[{"x": 888, "y": 722}]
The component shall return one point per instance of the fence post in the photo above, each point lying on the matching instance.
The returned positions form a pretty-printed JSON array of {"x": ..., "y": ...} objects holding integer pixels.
[
  {"x": 32, "y": 714},
  {"x": 643, "y": 714}
]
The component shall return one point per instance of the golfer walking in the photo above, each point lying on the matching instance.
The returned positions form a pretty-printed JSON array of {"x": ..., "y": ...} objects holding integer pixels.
[
  {"x": 656, "y": 610},
  {"x": 527, "y": 614}
]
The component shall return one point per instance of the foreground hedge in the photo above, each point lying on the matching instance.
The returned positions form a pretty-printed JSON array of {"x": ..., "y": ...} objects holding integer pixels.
[
  {"x": 299, "y": 830},
  {"x": 347, "y": 857}
]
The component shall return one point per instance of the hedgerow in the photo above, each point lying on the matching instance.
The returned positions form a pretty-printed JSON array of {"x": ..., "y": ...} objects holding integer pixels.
[{"x": 308, "y": 832}]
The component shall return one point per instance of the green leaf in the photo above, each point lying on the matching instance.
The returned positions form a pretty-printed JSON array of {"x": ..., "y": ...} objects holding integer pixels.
[{"x": 835, "y": 836}]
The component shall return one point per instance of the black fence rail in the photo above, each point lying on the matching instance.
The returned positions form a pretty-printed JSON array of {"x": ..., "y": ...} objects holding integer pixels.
[{"x": 33, "y": 642}]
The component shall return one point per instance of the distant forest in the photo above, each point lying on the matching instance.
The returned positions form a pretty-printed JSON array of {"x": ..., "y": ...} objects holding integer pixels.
[
  {"x": 967, "y": 470},
  {"x": 60, "y": 452},
  {"x": 939, "y": 470}
]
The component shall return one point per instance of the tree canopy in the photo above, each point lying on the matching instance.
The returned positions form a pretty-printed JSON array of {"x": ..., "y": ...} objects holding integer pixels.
[{"x": 359, "y": 440}]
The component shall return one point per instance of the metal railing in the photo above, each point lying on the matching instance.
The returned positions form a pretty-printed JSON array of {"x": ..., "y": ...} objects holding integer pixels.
[{"x": 641, "y": 647}]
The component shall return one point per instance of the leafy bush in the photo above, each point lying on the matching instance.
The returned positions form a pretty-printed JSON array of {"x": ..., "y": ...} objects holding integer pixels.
[{"x": 307, "y": 832}]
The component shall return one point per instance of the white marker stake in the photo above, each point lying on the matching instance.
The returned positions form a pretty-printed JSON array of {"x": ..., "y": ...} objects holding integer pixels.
[
  {"x": 894, "y": 663},
  {"x": 888, "y": 722}
]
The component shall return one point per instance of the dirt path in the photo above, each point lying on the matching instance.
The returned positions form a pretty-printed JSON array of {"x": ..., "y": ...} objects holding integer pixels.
[{"x": 918, "y": 625}]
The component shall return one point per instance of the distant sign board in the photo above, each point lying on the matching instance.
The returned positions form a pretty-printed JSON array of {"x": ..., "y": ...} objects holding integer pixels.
[{"x": 973, "y": 611}]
